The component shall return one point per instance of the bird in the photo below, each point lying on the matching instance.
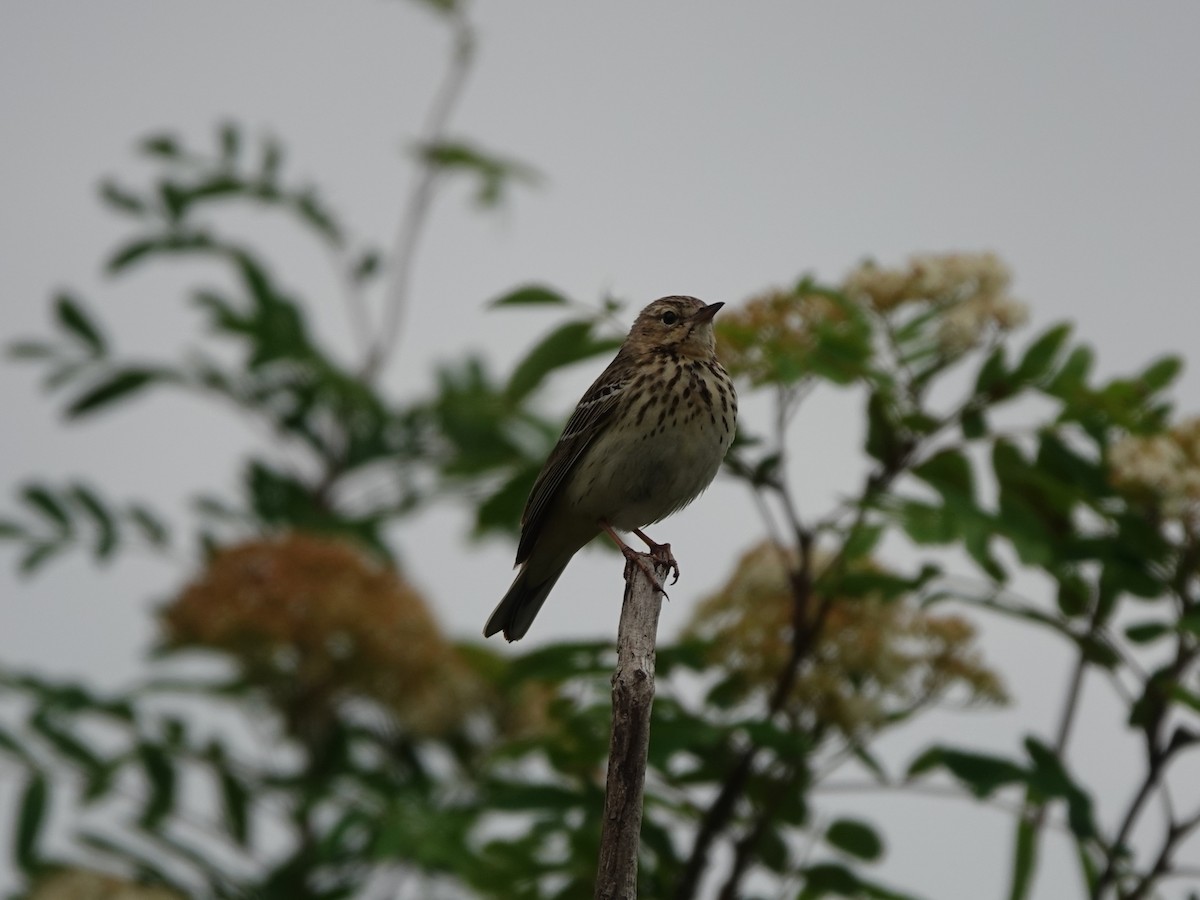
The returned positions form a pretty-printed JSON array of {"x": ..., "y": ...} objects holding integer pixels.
[{"x": 645, "y": 440}]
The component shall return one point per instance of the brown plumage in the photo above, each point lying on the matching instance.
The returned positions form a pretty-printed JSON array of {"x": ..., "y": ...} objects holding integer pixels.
[{"x": 645, "y": 440}]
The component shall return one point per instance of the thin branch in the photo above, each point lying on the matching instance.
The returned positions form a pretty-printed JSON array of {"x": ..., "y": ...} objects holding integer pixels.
[
  {"x": 932, "y": 791},
  {"x": 774, "y": 534},
  {"x": 1176, "y": 834},
  {"x": 806, "y": 630},
  {"x": 416, "y": 215},
  {"x": 1034, "y": 810},
  {"x": 356, "y": 304},
  {"x": 1159, "y": 755},
  {"x": 633, "y": 700},
  {"x": 745, "y": 847}
]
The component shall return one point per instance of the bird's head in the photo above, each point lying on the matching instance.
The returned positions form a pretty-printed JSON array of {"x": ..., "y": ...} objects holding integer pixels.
[{"x": 677, "y": 325}]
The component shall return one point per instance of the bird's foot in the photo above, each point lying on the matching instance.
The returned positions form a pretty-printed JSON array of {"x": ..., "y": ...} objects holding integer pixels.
[
  {"x": 661, "y": 554},
  {"x": 640, "y": 560}
]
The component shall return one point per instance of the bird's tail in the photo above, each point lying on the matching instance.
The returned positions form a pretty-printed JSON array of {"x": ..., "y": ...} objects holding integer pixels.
[{"x": 515, "y": 613}]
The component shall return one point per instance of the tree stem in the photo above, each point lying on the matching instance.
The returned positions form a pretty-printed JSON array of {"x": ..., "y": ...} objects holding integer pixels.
[{"x": 633, "y": 699}]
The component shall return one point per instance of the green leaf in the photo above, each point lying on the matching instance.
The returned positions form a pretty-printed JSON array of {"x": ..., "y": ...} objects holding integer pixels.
[
  {"x": 834, "y": 880},
  {"x": 164, "y": 146},
  {"x": 120, "y": 199},
  {"x": 494, "y": 172},
  {"x": 308, "y": 205},
  {"x": 825, "y": 879},
  {"x": 150, "y": 525},
  {"x": 948, "y": 473},
  {"x": 1024, "y": 859},
  {"x": 441, "y": 7},
  {"x": 280, "y": 498},
  {"x": 925, "y": 523},
  {"x": 773, "y": 851},
  {"x": 531, "y": 295},
  {"x": 1039, "y": 359},
  {"x": 106, "y": 530},
  {"x": 117, "y": 385},
  {"x": 160, "y": 779},
  {"x": 1190, "y": 621},
  {"x": 883, "y": 439},
  {"x": 31, "y": 817},
  {"x": 1180, "y": 694},
  {"x": 856, "y": 838},
  {"x": 565, "y": 345},
  {"x": 992, "y": 381},
  {"x": 11, "y": 746},
  {"x": 235, "y": 802},
  {"x": 69, "y": 747},
  {"x": 73, "y": 319},
  {"x": 862, "y": 541},
  {"x": 1072, "y": 377},
  {"x": 272, "y": 160},
  {"x": 30, "y": 350},
  {"x": 518, "y": 796},
  {"x": 1034, "y": 510},
  {"x": 48, "y": 505},
  {"x": 1050, "y": 778},
  {"x": 365, "y": 267},
  {"x": 1161, "y": 373},
  {"x": 1146, "y": 632},
  {"x": 1089, "y": 868},
  {"x": 229, "y": 139},
  {"x": 502, "y": 510},
  {"x": 561, "y": 661},
  {"x": 1074, "y": 594},
  {"x": 982, "y": 774},
  {"x": 11, "y": 530},
  {"x": 974, "y": 424},
  {"x": 37, "y": 556},
  {"x": 140, "y": 248}
]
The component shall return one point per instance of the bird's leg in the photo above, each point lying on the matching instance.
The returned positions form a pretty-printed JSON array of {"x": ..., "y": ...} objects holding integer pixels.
[
  {"x": 661, "y": 553},
  {"x": 639, "y": 559}
]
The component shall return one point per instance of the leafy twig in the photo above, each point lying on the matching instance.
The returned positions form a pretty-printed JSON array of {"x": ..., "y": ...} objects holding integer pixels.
[{"x": 416, "y": 214}]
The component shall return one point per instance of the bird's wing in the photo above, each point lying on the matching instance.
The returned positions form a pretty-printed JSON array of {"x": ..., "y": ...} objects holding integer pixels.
[{"x": 591, "y": 416}]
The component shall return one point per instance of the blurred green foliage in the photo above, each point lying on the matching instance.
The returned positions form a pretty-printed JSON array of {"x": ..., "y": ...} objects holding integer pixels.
[{"x": 337, "y": 796}]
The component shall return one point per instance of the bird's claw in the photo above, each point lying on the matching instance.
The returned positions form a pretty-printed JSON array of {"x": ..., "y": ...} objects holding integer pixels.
[
  {"x": 662, "y": 554},
  {"x": 639, "y": 560}
]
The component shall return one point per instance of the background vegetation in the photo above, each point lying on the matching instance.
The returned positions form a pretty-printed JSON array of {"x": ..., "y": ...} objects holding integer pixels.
[{"x": 306, "y": 731}]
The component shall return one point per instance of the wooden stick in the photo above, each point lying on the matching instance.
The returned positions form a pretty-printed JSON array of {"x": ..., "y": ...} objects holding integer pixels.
[{"x": 632, "y": 698}]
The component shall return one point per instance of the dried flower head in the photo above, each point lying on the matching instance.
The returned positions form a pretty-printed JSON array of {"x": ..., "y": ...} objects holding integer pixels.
[
  {"x": 314, "y": 621},
  {"x": 80, "y": 884},
  {"x": 874, "y": 657},
  {"x": 1162, "y": 469}
]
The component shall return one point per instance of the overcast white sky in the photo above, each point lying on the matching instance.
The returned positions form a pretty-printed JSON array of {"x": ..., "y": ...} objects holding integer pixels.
[{"x": 688, "y": 147}]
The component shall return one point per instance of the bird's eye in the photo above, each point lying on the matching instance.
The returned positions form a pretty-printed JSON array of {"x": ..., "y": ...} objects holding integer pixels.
[{"x": 669, "y": 318}]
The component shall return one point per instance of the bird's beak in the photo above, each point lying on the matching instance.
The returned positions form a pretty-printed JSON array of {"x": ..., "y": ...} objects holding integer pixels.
[{"x": 706, "y": 313}]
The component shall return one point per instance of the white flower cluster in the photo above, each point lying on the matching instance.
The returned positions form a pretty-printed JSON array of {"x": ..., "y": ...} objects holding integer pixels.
[
  {"x": 970, "y": 288},
  {"x": 1165, "y": 467},
  {"x": 965, "y": 324}
]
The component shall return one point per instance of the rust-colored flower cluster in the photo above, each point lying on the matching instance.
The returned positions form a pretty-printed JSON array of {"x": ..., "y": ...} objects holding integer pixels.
[
  {"x": 314, "y": 621},
  {"x": 873, "y": 657},
  {"x": 81, "y": 884}
]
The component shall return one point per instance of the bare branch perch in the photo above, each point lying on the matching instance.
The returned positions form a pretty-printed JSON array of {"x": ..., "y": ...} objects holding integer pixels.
[{"x": 633, "y": 698}]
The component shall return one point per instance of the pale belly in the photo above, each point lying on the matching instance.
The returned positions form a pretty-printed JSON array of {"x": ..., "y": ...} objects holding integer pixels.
[{"x": 634, "y": 483}]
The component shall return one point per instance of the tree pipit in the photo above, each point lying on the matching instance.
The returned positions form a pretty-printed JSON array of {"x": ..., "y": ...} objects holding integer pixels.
[{"x": 645, "y": 440}]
